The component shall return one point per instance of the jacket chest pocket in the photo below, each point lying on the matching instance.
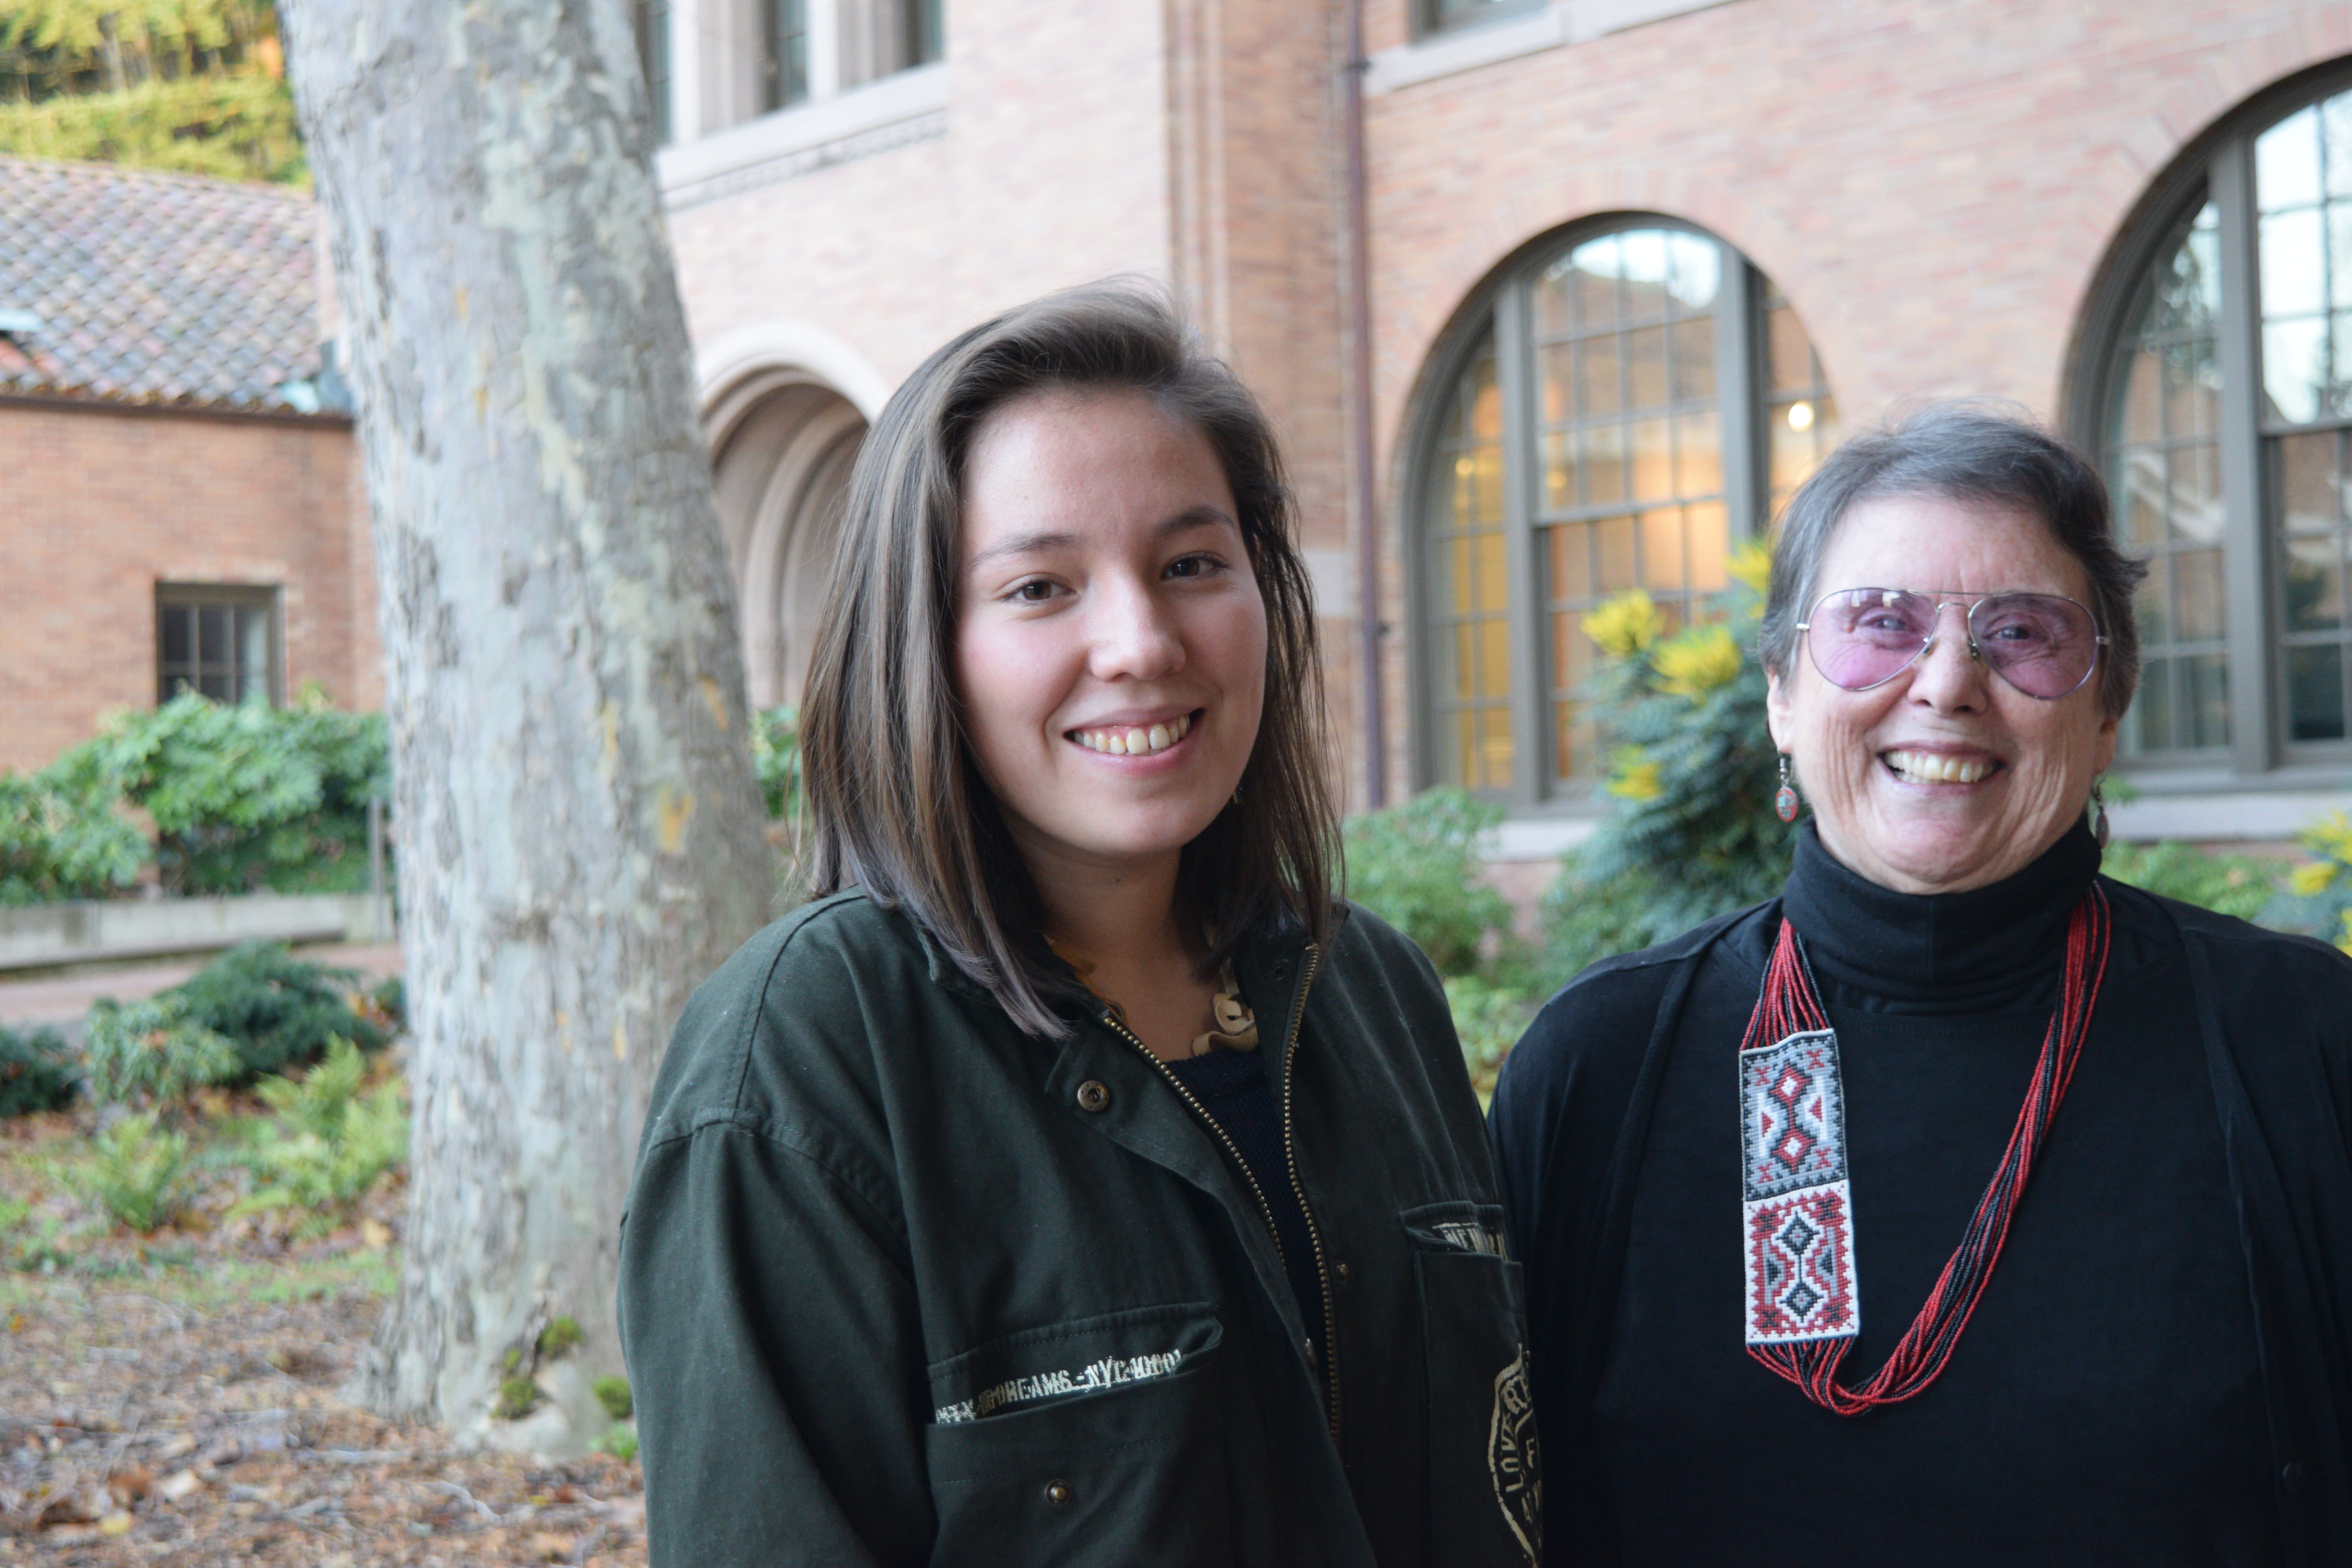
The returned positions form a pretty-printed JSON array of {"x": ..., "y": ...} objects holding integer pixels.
[
  {"x": 1486, "y": 1477},
  {"x": 1099, "y": 1441}
]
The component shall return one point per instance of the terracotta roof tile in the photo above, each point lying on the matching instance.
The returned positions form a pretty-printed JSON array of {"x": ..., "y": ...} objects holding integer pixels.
[{"x": 155, "y": 288}]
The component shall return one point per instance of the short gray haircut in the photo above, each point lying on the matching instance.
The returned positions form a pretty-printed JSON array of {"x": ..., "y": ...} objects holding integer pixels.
[{"x": 1962, "y": 452}]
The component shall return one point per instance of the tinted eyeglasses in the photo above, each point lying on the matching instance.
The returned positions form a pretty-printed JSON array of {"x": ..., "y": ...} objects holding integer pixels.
[{"x": 2041, "y": 644}]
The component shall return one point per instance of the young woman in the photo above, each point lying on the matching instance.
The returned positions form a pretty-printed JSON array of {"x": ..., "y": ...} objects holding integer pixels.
[{"x": 1079, "y": 1181}]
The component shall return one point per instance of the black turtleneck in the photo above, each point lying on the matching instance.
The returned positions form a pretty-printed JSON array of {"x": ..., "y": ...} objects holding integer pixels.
[{"x": 2104, "y": 1404}]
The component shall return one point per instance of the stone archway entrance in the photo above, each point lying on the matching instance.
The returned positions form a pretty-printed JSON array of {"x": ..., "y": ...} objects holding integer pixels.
[{"x": 781, "y": 444}]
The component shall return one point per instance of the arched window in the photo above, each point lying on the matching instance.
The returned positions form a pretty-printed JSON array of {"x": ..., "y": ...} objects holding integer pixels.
[
  {"x": 1633, "y": 404},
  {"x": 2220, "y": 404}
]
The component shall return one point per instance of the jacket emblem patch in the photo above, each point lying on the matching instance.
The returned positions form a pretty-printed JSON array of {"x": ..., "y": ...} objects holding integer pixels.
[{"x": 1512, "y": 1458}]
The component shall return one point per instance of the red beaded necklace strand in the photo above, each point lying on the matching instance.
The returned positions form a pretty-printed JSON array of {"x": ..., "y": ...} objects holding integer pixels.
[{"x": 1790, "y": 1027}]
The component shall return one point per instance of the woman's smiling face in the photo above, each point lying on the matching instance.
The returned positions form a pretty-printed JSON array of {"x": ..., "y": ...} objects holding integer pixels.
[
  {"x": 1110, "y": 639},
  {"x": 1946, "y": 777}
]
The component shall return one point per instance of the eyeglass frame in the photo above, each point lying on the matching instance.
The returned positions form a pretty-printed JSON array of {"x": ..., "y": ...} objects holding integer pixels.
[{"x": 1943, "y": 596}]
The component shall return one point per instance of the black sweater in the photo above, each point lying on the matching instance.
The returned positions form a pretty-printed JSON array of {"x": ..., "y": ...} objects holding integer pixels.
[{"x": 2109, "y": 1401}]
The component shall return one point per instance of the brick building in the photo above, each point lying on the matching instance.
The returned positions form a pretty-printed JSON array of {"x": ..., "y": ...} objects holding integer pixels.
[
  {"x": 1628, "y": 267},
  {"x": 176, "y": 505},
  {"x": 1631, "y": 266}
]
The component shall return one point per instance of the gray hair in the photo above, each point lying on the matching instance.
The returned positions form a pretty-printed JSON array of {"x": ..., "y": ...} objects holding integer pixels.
[{"x": 1966, "y": 452}]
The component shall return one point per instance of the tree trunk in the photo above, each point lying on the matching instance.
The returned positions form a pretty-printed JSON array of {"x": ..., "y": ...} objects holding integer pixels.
[{"x": 580, "y": 829}]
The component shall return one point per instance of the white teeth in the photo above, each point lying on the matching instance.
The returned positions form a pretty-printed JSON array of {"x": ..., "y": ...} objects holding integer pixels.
[
  {"x": 1925, "y": 767},
  {"x": 1133, "y": 743}
]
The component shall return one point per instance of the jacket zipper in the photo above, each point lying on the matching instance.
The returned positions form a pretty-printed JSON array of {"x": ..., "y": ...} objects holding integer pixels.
[
  {"x": 1265, "y": 1209},
  {"x": 1313, "y": 1235}
]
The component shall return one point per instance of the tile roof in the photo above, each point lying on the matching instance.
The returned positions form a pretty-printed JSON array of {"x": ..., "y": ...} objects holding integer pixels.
[{"x": 127, "y": 285}]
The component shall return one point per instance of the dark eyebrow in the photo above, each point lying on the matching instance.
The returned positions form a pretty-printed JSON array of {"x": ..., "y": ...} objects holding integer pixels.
[{"x": 1025, "y": 543}]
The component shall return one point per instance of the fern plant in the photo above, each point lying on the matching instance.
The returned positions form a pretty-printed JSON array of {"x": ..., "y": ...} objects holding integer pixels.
[
  {"x": 136, "y": 1171},
  {"x": 328, "y": 1143}
]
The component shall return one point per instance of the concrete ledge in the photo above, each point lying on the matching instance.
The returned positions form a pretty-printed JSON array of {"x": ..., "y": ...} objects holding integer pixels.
[
  {"x": 55, "y": 936},
  {"x": 892, "y": 112},
  {"x": 1508, "y": 38}
]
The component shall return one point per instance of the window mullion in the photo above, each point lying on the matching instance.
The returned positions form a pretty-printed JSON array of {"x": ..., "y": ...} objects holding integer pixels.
[
  {"x": 1737, "y": 384},
  {"x": 2254, "y": 728},
  {"x": 1530, "y": 670}
]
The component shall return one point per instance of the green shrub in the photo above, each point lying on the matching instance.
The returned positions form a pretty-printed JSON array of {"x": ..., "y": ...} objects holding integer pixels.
[
  {"x": 560, "y": 1335},
  {"x": 37, "y": 1072},
  {"x": 1691, "y": 832},
  {"x": 2317, "y": 898},
  {"x": 328, "y": 1144},
  {"x": 62, "y": 837},
  {"x": 2238, "y": 885},
  {"x": 776, "y": 758},
  {"x": 620, "y": 1441},
  {"x": 1417, "y": 866},
  {"x": 279, "y": 1011},
  {"x": 244, "y": 795},
  {"x": 389, "y": 996},
  {"x": 153, "y": 1051},
  {"x": 135, "y": 1171},
  {"x": 613, "y": 1393},
  {"x": 1489, "y": 1019},
  {"x": 517, "y": 1397}
]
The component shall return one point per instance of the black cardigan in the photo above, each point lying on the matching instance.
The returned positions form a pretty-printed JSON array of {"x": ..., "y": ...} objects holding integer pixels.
[{"x": 2273, "y": 1015}]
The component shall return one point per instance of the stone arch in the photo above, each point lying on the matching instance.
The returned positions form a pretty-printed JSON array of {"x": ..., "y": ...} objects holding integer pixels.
[{"x": 781, "y": 443}]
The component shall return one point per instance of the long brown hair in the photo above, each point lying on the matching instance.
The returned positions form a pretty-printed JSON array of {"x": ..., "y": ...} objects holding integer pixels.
[{"x": 897, "y": 802}]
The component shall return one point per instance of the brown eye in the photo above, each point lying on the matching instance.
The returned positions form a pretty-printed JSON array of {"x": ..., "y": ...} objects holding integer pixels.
[{"x": 1035, "y": 592}]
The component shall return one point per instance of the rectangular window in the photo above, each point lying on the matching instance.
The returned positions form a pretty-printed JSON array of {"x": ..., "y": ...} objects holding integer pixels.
[
  {"x": 220, "y": 643},
  {"x": 785, "y": 69},
  {"x": 1449, "y": 16},
  {"x": 649, "y": 19},
  {"x": 926, "y": 32}
]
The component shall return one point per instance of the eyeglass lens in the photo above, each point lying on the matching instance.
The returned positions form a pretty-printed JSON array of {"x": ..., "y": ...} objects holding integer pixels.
[{"x": 2043, "y": 645}]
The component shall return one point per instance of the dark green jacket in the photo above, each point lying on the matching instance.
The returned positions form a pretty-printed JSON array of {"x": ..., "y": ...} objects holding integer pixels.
[{"x": 901, "y": 1284}]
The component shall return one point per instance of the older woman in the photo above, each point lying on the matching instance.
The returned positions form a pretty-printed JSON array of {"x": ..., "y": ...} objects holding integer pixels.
[{"x": 2039, "y": 1183}]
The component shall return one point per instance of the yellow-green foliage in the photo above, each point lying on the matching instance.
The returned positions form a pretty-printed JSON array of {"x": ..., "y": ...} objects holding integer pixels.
[
  {"x": 192, "y": 86},
  {"x": 2319, "y": 896},
  {"x": 613, "y": 1393},
  {"x": 231, "y": 128},
  {"x": 135, "y": 1171},
  {"x": 329, "y": 1144}
]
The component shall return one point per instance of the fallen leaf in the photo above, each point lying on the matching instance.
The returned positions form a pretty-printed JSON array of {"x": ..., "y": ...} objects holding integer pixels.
[
  {"x": 374, "y": 1235},
  {"x": 115, "y": 1524},
  {"x": 552, "y": 1547},
  {"x": 128, "y": 1485},
  {"x": 180, "y": 1484}
]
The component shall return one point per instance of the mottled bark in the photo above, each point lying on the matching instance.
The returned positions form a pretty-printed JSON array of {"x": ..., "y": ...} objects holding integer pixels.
[{"x": 580, "y": 830}]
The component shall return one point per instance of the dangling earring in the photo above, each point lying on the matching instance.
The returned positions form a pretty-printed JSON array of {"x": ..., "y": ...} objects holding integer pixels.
[
  {"x": 1785, "y": 803},
  {"x": 2099, "y": 811}
]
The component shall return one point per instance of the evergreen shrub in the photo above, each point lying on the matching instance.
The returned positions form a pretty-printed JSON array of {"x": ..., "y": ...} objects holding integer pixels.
[
  {"x": 37, "y": 1072},
  {"x": 277, "y": 1011}
]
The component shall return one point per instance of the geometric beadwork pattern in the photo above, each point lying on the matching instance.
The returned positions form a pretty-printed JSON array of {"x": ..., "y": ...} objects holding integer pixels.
[
  {"x": 1797, "y": 1207},
  {"x": 1800, "y": 1281},
  {"x": 1792, "y": 1121}
]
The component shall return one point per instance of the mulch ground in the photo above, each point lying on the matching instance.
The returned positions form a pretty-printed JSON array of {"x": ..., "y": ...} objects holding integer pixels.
[{"x": 174, "y": 1399}]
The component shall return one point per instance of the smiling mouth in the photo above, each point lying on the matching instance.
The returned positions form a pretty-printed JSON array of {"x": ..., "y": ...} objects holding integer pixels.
[
  {"x": 1927, "y": 767},
  {"x": 1135, "y": 741}
]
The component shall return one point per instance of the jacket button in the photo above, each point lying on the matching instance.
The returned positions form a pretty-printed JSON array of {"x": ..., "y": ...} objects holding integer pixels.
[
  {"x": 1058, "y": 1494},
  {"x": 2291, "y": 1477},
  {"x": 1343, "y": 1271},
  {"x": 1092, "y": 1096}
]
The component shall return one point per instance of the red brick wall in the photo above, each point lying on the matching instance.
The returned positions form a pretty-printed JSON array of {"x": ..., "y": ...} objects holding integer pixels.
[
  {"x": 1935, "y": 182},
  {"x": 98, "y": 507}
]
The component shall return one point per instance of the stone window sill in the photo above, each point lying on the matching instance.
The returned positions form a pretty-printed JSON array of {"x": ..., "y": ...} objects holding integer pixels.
[{"x": 1563, "y": 22}]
